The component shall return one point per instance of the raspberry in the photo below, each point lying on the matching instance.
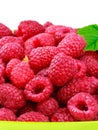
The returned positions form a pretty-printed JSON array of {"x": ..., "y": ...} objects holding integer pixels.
[
  {"x": 29, "y": 106},
  {"x": 38, "y": 89},
  {"x": 63, "y": 68},
  {"x": 83, "y": 106},
  {"x": 33, "y": 116},
  {"x": 11, "y": 50},
  {"x": 96, "y": 118},
  {"x": 41, "y": 57},
  {"x": 12, "y": 39},
  {"x": 21, "y": 74},
  {"x": 96, "y": 96},
  {"x": 2, "y": 80},
  {"x": 85, "y": 84},
  {"x": 7, "y": 115},
  {"x": 2, "y": 72},
  {"x": 10, "y": 65},
  {"x": 59, "y": 31},
  {"x": 48, "y": 106},
  {"x": 72, "y": 45},
  {"x": 42, "y": 39},
  {"x": 93, "y": 54},
  {"x": 80, "y": 69},
  {"x": 2, "y": 68},
  {"x": 47, "y": 24},
  {"x": 91, "y": 62},
  {"x": 29, "y": 28},
  {"x": 4, "y": 30},
  {"x": 11, "y": 97},
  {"x": 62, "y": 115},
  {"x": 43, "y": 72}
]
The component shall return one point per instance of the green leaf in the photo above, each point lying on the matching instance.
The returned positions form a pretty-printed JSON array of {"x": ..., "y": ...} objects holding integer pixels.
[{"x": 90, "y": 34}]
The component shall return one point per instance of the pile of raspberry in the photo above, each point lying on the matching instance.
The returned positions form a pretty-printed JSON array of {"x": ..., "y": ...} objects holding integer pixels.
[{"x": 46, "y": 75}]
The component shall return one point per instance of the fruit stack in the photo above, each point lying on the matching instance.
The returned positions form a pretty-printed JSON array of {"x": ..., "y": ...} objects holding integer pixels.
[{"x": 48, "y": 73}]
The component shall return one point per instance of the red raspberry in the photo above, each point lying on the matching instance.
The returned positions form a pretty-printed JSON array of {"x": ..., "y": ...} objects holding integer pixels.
[
  {"x": 41, "y": 57},
  {"x": 96, "y": 96},
  {"x": 42, "y": 39},
  {"x": 62, "y": 115},
  {"x": 59, "y": 31},
  {"x": 11, "y": 50},
  {"x": 12, "y": 39},
  {"x": 4, "y": 30},
  {"x": 93, "y": 54},
  {"x": 33, "y": 116},
  {"x": 21, "y": 74},
  {"x": 85, "y": 84},
  {"x": 83, "y": 106},
  {"x": 80, "y": 69},
  {"x": 2, "y": 80},
  {"x": 48, "y": 106},
  {"x": 47, "y": 24},
  {"x": 2, "y": 72},
  {"x": 10, "y": 65},
  {"x": 29, "y": 28},
  {"x": 2, "y": 68},
  {"x": 72, "y": 45},
  {"x": 29, "y": 106},
  {"x": 96, "y": 118},
  {"x": 7, "y": 115},
  {"x": 43, "y": 72},
  {"x": 1, "y": 62},
  {"x": 63, "y": 68},
  {"x": 11, "y": 97},
  {"x": 91, "y": 62},
  {"x": 38, "y": 89}
]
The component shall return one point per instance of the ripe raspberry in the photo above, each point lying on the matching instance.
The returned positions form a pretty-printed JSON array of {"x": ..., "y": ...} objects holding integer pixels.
[
  {"x": 11, "y": 97},
  {"x": 47, "y": 24},
  {"x": 29, "y": 106},
  {"x": 33, "y": 116},
  {"x": 59, "y": 31},
  {"x": 7, "y": 115},
  {"x": 11, "y": 50},
  {"x": 29, "y": 28},
  {"x": 96, "y": 118},
  {"x": 91, "y": 62},
  {"x": 2, "y": 80},
  {"x": 48, "y": 106},
  {"x": 42, "y": 39},
  {"x": 96, "y": 96},
  {"x": 41, "y": 57},
  {"x": 2, "y": 72},
  {"x": 10, "y": 65},
  {"x": 43, "y": 72},
  {"x": 72, "y": 45},
  {"x": 80, "y": 69},
  {"x": 38, "y": 89},
  {"x": 12, "y": 39},
  {"x": 93, "y": 54},
  {"x": 83, "y": 106},
  {"x": 85, "y": 84},
  {"x": 63, "y": 68},
  {"x": 2, "y": 68},
  {"x": 21, "y": 74},
  {"x": 4, "y": 30},
  {"x": 62, "y": 115}
]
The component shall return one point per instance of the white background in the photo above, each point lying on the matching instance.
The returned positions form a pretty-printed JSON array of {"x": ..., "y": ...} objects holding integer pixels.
[{"x": 74, "y": 13}]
